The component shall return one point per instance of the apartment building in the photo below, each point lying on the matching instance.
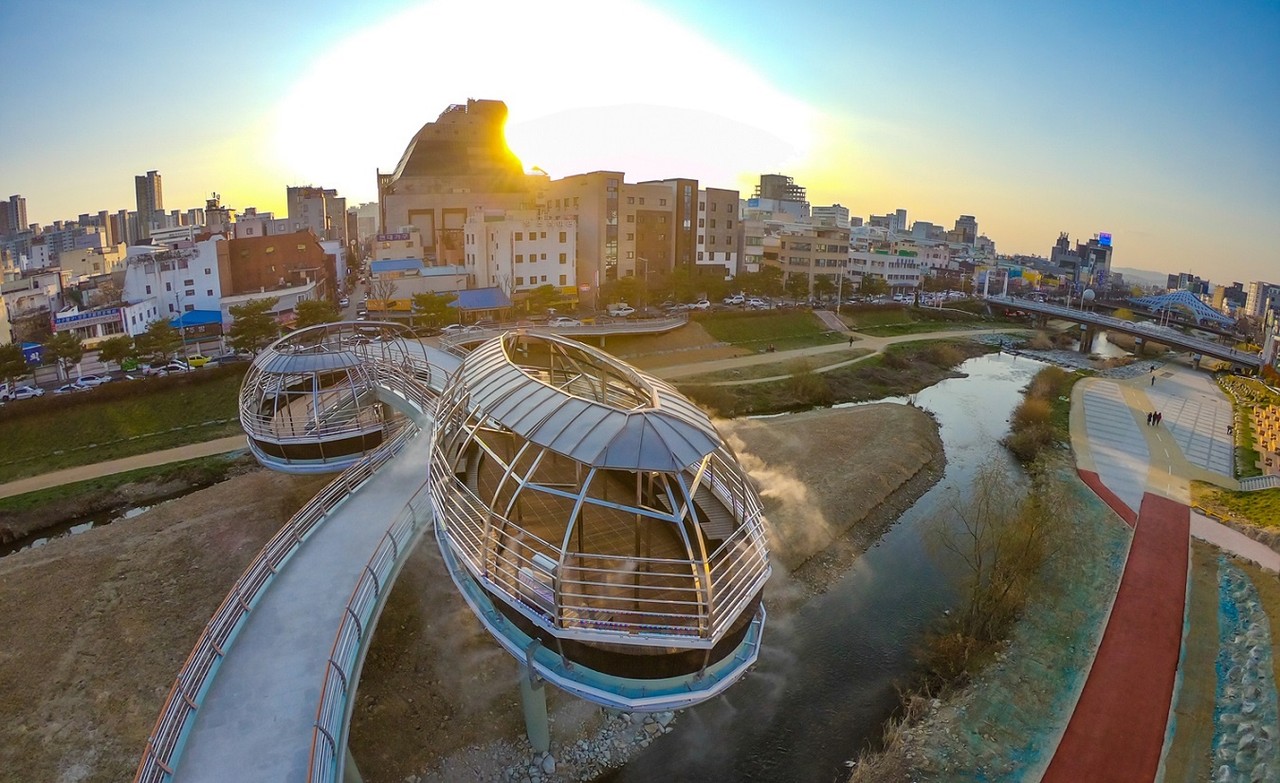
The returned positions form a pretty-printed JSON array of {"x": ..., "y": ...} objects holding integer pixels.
[
  {"x": 321, "y": 210},
  {"x": 518, "y": 252},
  {"x": 167, "y": 283}
]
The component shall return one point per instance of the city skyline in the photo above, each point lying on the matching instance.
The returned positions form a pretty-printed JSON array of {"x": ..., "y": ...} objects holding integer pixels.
[{"x": 1152, "y": 127}]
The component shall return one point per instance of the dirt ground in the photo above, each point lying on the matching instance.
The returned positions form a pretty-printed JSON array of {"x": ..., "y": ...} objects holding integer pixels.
[{"x": 97, "y": 625}]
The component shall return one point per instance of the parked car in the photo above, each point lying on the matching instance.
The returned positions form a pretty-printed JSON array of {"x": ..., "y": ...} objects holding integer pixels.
[
  {"x": 199, "y": 360},
  {"x": 71, "y": 388},
  {"x": 343, "y": 302},
  {"x": 736, "y": 299},
  {"x": 701, "y": 304},
  {"x": 757, "y": 304},
  {"x": 620, "y": 310},
  {"x": 562, "y": 321},
  {"x": 459, "y": 329},
  {"x": 177, "y": 365},
  {"x": 22, "y": 393},
  {"x": 94, "y": 380}
]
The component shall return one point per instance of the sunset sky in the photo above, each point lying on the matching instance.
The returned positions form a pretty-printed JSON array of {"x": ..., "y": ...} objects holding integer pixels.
[{"x": 1156, "y": 122}]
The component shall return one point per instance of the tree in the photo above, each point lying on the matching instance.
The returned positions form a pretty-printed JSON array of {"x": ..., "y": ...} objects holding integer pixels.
[
  {"x": 873, "y": 286},
  {"x": 824, "y": 286},
  {"x": 65, "y": 349},
  {"x": 540, "y": 299},
  {"x": 116, "y": 349},
  {"x": 771, "y": 281},
  {"x": 13, "y": 364},
  {"x": 253, "y": 326},
  {"x": 433, "y": 308},
  {"x": 797, "y": 285},
  {"x": 162, "y": 339},
  {"x": 624, "y": 289},
  {"x": 382, "y": 291},
  {"x": 1124, "y": 314},
  {"x": 312, "y": 312}
]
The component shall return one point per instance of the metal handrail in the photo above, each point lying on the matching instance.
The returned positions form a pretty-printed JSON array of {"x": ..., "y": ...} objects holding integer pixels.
[
  {"x": 352, "y": 639},
  {"x": 642, "y": 326},
  {"x": 193, "y": 679}
]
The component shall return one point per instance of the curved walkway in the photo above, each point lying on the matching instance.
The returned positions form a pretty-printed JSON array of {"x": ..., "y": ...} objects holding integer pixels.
[{"x": 1119, "y": 727}]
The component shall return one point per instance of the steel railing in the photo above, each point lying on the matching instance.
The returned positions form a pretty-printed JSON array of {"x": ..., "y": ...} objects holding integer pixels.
[
  {"x": 189, "y": 687},
  {"x": 354, "y": 634},
  {"x": 603, "y": 596},
  {"x": 454, "y": 342}
]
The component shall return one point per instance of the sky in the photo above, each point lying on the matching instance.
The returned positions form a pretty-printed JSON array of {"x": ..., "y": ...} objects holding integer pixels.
[{"x": 1155, "y": 122}]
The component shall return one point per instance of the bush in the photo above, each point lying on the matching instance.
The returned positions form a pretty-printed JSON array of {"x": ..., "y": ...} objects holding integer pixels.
[
  {"x": 943, "y": 355},
  {"x": 1040, "y": 342},
  {"x": 718, "y": 400}
]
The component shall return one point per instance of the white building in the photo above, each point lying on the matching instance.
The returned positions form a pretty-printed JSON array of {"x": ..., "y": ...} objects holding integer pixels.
[
  {"x": 518, "y": 252},
  {"x": 163, "y": 283},
  {"x": 252, "y": 223},
  {"x": 718, "y": 227}
]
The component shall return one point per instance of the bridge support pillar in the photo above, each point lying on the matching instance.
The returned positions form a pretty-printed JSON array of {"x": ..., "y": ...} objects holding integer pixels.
[
  {"x": 533, "y": 699},
  {"x": 1137, "y": 347},
  {"x": 1087, "y": 335},
  {"x": 350, "y": 772}
]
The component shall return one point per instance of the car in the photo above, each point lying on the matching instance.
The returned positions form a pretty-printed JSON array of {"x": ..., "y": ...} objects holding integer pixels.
[
  {"x": 736, "y": 299},
  {"x": 343, "y": 302},
  {"x": 620, "y": 310},
  {"x": 177, "y": 365},
  {"x": 22, "y": 393},
  {"x": 459, "y": 329},
  {"x": 94, "y": 380},
  {"x": 757, "y": 303},
  {"x": 701, "y": 304},
  {"x": 71, "y": 388},
  {"x": 198, "y": 360},
  {"x": 561, "y": 321}
]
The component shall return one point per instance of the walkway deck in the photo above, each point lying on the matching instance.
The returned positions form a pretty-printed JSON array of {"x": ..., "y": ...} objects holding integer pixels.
[
  {"x": 255, "y": 723},
  {"x": 1118, "y": 729}
]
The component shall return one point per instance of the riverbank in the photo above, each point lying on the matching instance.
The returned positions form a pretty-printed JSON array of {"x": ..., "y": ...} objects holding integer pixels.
[{"x": 100, "y": 622}]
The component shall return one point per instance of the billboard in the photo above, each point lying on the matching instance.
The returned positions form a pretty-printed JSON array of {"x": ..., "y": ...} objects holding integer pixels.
[
  {"x": 1104, "y": 239},
  {"x": 401, "y": 237}
]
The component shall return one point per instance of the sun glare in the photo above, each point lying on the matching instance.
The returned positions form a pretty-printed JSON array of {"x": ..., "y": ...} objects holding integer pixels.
[{"x": 589, "y": 86}]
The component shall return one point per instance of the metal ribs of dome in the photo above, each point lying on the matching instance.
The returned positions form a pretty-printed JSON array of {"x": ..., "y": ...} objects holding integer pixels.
[{"x": 665, "y": 433}]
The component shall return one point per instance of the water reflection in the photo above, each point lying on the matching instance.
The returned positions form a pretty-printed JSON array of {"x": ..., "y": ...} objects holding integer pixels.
[
  {"x": 74, "y": 527},
  {"x": 825, "y": 681}
]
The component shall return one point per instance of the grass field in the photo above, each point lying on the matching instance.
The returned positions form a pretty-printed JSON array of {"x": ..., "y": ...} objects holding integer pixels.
[
  {"x": 120, "y": 419},
  {"x": 204, "y": 470},
  {"x": 892, "y": 320},
  {"x": 774, "y": 369},
  {"x": 1261, "y": 508},
  {"x": 783, "y": 330}
]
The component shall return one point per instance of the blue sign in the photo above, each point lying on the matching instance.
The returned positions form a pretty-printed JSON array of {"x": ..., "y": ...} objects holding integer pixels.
[
  {"x": 33, "y": 353},
  {"x": 112, "y": 312},
  {"x": 1104, "y": 239}
]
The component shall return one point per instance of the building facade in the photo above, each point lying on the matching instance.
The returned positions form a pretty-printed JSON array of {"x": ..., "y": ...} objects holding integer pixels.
[
  {"x": 519, "y": 252},
  {"x": 150, "y": 200}
]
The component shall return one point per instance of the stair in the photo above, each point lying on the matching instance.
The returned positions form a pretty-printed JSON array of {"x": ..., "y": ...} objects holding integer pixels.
[{"x": 717, "y": 521}]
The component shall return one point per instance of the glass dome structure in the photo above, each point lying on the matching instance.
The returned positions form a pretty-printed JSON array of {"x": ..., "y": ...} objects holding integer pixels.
[
  {"x": 319, "y": 398},
  {"x": 594, "y": 516}
]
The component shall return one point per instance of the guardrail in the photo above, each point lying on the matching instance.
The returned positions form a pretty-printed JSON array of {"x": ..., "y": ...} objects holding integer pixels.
[
  {"x": 1256, "y": 483},
  {"x": 454, "y": 342},
  {"x": 354, "y": 633},
  {"x": 193, "y": 680}
]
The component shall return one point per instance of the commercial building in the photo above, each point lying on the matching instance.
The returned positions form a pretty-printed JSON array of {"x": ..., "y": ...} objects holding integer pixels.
[
  {"x": 1261, "y": 297},
  {"x": 519, "y": 252},
  {"x": 319, "y": 209}
]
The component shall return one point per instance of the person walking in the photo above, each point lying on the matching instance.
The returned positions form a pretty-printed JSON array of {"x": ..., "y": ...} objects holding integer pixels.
[
  {"x": 1159, "y": 418},
  {"x": 1150, "y": 417},
  {"x": 1153, "y": 380}
]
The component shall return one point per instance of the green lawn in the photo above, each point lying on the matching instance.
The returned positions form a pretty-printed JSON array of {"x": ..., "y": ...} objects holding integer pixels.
[
  {"x": 120, "y": 419},
  {"x": 783, "y": 330},
  {"x": 1261, "y": 508},
  {"x": 204, "y": 470},
  {"x": 891, "y": 320},
  {"x": 773, "y": 369}
]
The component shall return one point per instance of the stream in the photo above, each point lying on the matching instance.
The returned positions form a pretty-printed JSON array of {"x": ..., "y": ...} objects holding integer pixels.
[{"x": 825, "y": 681}]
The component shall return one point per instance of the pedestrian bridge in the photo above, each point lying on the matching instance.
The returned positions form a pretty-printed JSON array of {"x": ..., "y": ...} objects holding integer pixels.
[
  {"x": 591, "y": 518},
  {"x": 1142, "y": 330}
]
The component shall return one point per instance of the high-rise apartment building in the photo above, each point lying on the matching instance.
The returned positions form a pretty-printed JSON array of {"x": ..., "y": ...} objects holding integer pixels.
[
  {"x": 834, "y": 215},
  {"x": 150, "y": 197},
  {"x": 966, "y": 230},
  {"x": 13, "y": 215},
  {"x": 319, "y": 209},
  {"x": 1260, "y": 297}
]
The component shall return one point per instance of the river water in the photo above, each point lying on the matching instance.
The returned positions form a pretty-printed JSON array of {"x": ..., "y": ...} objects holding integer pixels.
[
  {"x": 74, "y": 527},
  {"x": 825, "y": 681}
]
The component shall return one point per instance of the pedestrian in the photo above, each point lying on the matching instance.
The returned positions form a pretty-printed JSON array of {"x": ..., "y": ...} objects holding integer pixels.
[
  {"x": 1159, "y": 418},
  {"x": 1150, "y": 418},
  {"x": 1153, "y": 380},
  {"x": 850, "y": 341}
]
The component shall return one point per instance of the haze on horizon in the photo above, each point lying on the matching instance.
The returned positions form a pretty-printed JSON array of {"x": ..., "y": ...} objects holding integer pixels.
[{"x": 1154, "y": 124}]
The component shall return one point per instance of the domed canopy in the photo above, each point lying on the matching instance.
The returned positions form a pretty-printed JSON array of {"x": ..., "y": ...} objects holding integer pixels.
[{"x": 587, "y": 406}]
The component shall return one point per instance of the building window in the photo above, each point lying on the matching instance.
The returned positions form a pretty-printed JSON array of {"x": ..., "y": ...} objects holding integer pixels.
[
  {"x": 564, "y": 237},
  {"x": 543, "y": 257},
  {"x": 519, "y": 281},
  {"x": 713, "y": 206},
  {"x": 631, "y": 237},
  {"x": 188, "y": 282},
  {"x": 702, "y": 206},
  {"x": 519, "y": 236},
  {"x": 562, "y": 280},
  {"x": 701, "y": 241},
  {"x": 702, "y": 222},
  {"x": 728, "y": 224},
  {"x": 148, "y": 290},
  {"x": 206, "y": 270},
  {"x": 544, "y": 279},
  {"x": 662, "y": 202},
  {"x": 520, "y": 258},
  {"x": 631, "y": 254},
  {"x": 631, "y": 199},
  {"x": 564, "y": 258},
  {"x": 713, "y": 222},
  {"x": 642, "y": 201},
  {"x": 209, "y": 292},
  {"x": 168, "y": 287},
  {"x": 189, "y": 292},
  {"x": 631, "y": 218},
  {"x": 699, "y": 255},
  {"x": 542, "y": 235}
]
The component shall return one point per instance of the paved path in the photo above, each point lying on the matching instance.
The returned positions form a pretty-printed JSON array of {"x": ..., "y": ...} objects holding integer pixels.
[
  {"x": 1120, "y": 724},
  {"x": 83, "y": 472},
  {"x": 255, "y": 723}
]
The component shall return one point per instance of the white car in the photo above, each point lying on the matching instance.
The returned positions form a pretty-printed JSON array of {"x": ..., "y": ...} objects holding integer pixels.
[
  {"x": 459, "y": 329},
  {"x": 701, "y": 304},
  {"x": 94, "y": 380},
  {"x": 563, "y": 320},
  {"x": 71, "y": 388},
  {"x": 621, "y": 310},
  {"x": 758, "y": 304},
  {"x": 736, "y": 299},
  {"x": 23, "y": 393}
]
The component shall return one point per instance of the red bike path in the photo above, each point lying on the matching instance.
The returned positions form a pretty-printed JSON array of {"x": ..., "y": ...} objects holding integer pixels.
[{"x": 1117, "y": 731}]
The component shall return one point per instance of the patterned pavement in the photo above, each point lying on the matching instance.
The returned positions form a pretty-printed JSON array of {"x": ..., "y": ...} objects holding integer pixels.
[{"x": 1197, "y": 414}]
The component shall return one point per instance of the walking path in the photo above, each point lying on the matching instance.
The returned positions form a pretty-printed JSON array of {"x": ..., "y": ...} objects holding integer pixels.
[
  {"x": 151, "y": 459},
  {"x": 1119, "y": 727}
]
